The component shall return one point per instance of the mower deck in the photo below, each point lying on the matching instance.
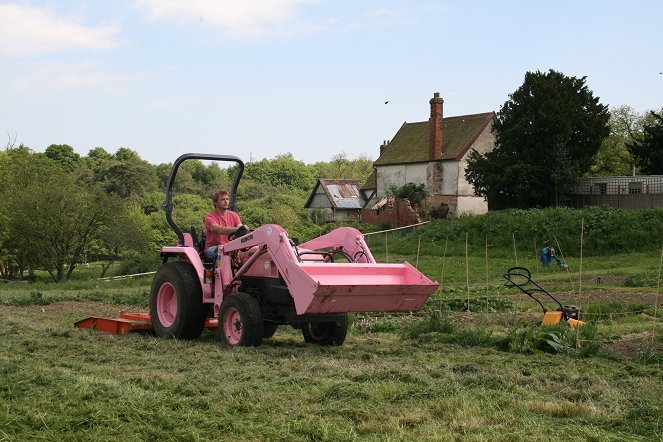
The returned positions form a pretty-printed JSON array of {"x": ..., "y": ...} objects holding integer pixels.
[{"x": 126, "y": 323}]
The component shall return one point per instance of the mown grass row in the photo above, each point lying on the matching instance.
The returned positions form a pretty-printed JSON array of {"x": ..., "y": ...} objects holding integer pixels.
[{"x": 437, "y": 381}]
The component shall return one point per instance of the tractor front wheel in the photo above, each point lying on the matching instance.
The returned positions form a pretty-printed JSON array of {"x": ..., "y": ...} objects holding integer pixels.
[
  {"x": 240, "y": 321},
  {"x": 176, "y": 302},
  {"x": 326, "y": 333}
]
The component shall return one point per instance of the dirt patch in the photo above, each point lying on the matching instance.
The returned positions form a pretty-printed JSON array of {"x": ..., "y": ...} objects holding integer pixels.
[
  {"x": 604, "y": 296},
  {"x": 632, "y": 344}
]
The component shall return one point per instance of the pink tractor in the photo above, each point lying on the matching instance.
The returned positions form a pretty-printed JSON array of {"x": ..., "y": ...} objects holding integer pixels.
[{"x": 263, "y": 279}]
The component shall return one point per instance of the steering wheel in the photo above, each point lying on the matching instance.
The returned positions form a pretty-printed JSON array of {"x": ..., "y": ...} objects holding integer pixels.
[{"x": 241, "y": 231}]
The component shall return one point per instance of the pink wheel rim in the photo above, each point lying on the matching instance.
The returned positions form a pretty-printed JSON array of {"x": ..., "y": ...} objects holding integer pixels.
[
  {"x": 314, "y": 335},
  {"x": 166, "y": 304},
  {"x": 232, "y": 326}
]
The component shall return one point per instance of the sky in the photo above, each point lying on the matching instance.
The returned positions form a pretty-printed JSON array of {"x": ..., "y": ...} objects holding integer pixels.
[{"x": 314, "y": 78}]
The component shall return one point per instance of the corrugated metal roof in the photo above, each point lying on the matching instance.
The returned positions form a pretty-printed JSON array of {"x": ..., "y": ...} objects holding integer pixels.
[{"x": 342, "y": 194}]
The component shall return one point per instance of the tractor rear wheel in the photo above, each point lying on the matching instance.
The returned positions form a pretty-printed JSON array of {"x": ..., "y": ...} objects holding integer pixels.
[
  {"x": 176, "y": 302},
  {"x": 240, "y": 321},
  {"x": 326, "y": 333}
]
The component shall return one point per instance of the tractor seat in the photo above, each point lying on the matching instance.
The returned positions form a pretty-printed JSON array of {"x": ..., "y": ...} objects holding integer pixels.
[{"x": 200, "y": 247}]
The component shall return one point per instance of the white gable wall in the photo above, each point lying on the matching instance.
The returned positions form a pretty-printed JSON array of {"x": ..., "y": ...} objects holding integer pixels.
[
  {"x": 398, "y": 175},
  {"x": 483, "y": 144},
  {"x": 320, "y": 200}
]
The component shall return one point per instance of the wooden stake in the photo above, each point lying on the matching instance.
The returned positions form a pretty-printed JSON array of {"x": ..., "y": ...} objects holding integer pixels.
[
  {"x": 416, "y": 264},
  {"x": 658, "y": 284},
  {"x": 536, "y": 258},
  {"x": 467, "y": 272},
  {"x": 444, "y": 259},
  {"x": 515, "y": 252},
  {"x": 486, "y": 260},
  {"x": 582, "y": 236},
  {"x": 386, "y": 249}
]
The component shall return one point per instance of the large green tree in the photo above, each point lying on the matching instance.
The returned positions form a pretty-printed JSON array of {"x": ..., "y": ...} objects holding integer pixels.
[
  {"x": 613, "y": 157},
  {"x": 64, "y": 155},
  {"x": 126, "y": 231},
  {"x": 52, "y": 221},
  {"x": 547, "y": 134},
  {"x": 647, "y": 150}
]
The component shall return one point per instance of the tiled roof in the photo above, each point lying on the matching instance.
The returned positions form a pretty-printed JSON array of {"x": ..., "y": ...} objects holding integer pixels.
[
  {"x": 410, "y": 144},
  {"x": 371, "y": 182}
]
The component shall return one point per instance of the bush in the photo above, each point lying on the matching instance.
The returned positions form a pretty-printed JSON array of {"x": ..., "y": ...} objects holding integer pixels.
[
  {"x": 642, "y": 280},
  {"x": 34, "y": 298},
  {"x": 478, "y": 305},
  {"x": 383, "y": 326},
  {"x": 560, "y": 338},
  {"x": 534, "y": 340},
  {"x": 139, "y": 263},
  {"x": 607, "y": 231}
]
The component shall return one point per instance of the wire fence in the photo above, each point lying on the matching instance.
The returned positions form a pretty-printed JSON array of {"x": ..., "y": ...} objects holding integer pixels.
[{"x": 477, "y": 274}]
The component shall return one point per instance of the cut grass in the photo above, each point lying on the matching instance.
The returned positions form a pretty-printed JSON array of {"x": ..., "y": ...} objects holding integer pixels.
[
  {"x": 58, "y": 383},
  {"x": 439, "y": 374}
]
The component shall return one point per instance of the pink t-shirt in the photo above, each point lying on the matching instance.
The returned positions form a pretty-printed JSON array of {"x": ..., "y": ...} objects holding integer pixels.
[{"x": 230, "y": 220}]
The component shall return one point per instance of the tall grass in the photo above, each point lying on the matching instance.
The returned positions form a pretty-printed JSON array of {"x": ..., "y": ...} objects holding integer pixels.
[{"x": 607, "y": 231}]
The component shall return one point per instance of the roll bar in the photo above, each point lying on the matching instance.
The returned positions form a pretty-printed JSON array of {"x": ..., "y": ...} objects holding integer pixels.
[{"x": 168, "y": 204}]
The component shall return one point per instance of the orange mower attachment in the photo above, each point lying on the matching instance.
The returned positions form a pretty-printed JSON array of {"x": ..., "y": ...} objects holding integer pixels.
[{"x": 126, "y": 323}]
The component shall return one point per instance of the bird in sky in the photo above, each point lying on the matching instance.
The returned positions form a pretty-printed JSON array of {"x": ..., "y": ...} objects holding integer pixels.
[{"x": 386, "y": 102}]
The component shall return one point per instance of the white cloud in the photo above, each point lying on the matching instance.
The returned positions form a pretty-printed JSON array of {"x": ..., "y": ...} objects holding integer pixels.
[
  {"x": 65, "y": 76},
  {"x": 237, "y": 18},
  {"x": 27, "y": 30}
]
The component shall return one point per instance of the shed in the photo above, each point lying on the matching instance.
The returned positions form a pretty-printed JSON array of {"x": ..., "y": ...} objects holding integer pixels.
[{"x": 332, "y": 200}]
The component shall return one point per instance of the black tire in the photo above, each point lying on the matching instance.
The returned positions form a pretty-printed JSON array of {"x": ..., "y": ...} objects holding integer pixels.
[
  {"x": 326, "y": 333},
  {"x": 240, "y": 321},
  {"x": 176, "y": 302},
  {"x": 269, "y": 329}
]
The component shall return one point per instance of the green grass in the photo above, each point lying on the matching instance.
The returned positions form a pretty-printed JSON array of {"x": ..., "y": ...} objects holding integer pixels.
[
  {"x": 439, "y": 374},
  {"x": 61, "y": 383}
]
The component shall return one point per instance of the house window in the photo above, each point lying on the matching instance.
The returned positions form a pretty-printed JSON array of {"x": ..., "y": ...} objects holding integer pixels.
[
  {"x": 635, "y": 187},
  {"x": 600, "y": 188}
]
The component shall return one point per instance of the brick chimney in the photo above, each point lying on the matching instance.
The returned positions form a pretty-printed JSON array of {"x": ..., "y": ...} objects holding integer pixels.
[
  {"x": 383, "y": 146},
  {"x": 435, "y": 127}
]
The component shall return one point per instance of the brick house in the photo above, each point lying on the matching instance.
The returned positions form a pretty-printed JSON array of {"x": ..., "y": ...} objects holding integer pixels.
[{"x": 434, "y": 153}]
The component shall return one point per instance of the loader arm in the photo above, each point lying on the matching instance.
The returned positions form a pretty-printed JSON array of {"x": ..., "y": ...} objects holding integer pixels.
[{"x": 323, "y": 287}]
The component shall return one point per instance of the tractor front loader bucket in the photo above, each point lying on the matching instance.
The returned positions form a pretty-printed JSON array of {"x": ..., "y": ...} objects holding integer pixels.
[{"x": 339, "y": 288}]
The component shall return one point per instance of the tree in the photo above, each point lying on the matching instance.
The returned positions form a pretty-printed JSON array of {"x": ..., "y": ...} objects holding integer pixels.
[
  {"x": 18, "y": 167},
  {"x": 613, "y": 157},
  {"x": 283, "y": 170},
  {"x": 126, "y": 231},
  {"x": 647, "y": 150},
  {"x": 52, "y": 220},
  {"x": 64, "y": 155},
  {"x": 415, "y": 193},
  {"x": 340, "y": 167},
  {"x": 546, "y": 137}
]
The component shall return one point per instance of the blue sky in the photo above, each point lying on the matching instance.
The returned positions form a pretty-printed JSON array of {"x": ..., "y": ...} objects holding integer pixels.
[{"x": 258, "y": 78}]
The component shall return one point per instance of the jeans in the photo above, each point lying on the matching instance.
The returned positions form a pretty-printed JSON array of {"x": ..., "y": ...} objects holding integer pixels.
[{"x": 211, "y": 252}]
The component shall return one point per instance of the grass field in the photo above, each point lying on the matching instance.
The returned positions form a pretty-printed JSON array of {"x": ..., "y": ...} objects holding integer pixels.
[{"x": 441, "y": 374}]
